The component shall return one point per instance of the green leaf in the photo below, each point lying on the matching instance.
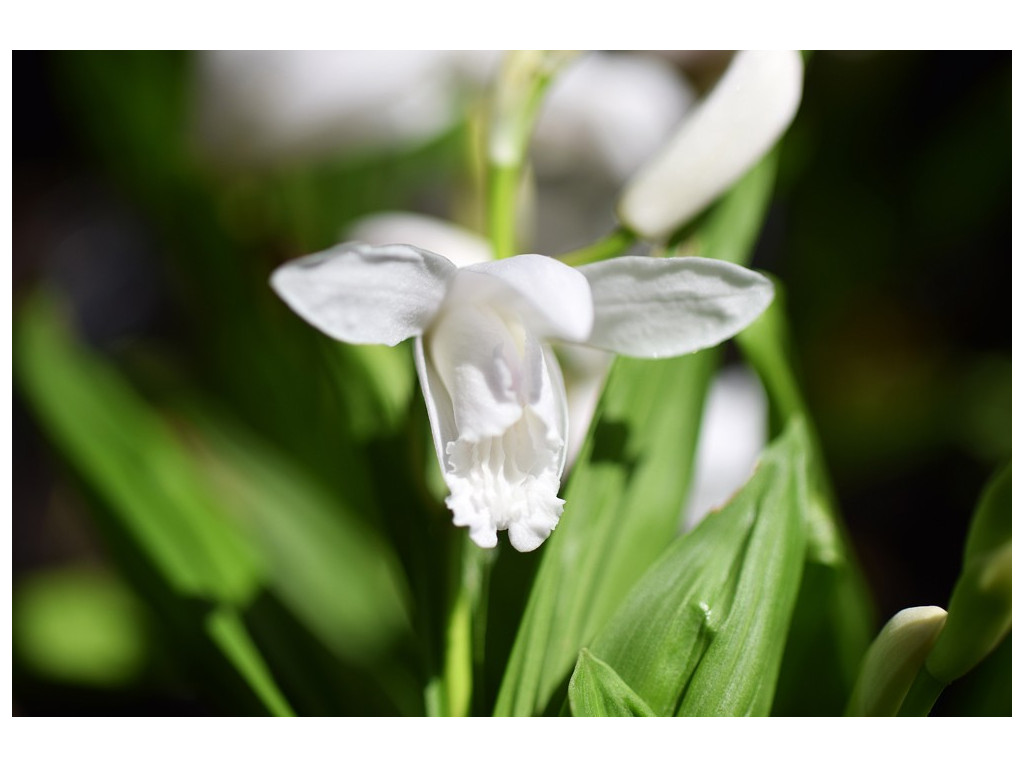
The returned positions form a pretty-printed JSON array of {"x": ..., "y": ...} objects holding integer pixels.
[
  {"x": 981, "y": 605},
  {"x": 335, "y": 572},
  {"x": 229, "y": 633},
  {"x": 130, "y": 457},
  {"x": 375, "y": 383},
  {"x": 833, "y": 621},
  {"x": 704, "y": 631},
  {"x": 159, "y": 516},
  {"x": 595, "y": 690},
  {"x": 624, "y": 496},
  {"x": 622, "y": 509},
  {"x": 991, "y": 526}
]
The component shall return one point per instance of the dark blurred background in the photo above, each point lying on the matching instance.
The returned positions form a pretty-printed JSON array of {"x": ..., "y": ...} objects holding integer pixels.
[{"x": 891, "y": 231}]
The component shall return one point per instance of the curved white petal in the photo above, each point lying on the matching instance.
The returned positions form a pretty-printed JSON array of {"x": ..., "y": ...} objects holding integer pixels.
[
  {"x": 717, "y": 142},
  {"x": 365, "y": 295},
  {"x": 654, "y": 307},
  {"x": 498, "y": 416},
  {"x": 552, "y": 299},
  {"x": 459, "y": 246}
]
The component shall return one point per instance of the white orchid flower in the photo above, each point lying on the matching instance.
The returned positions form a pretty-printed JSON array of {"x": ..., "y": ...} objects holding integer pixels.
[
  {"x": 584, "y": 368},
  {"x": 493, "y": 389}
]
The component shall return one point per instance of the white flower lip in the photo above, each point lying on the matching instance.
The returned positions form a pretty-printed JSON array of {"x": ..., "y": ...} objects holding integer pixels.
[
  {"x": 717, "y": 142},
  {"x": 494, "y": 392}
]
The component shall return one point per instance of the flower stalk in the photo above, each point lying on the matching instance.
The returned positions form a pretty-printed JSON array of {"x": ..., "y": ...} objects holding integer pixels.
[{"x": 522, "y": 83}]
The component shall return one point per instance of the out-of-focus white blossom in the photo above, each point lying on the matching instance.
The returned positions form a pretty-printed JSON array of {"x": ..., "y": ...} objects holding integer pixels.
[
  {"x": 607, "y": 113},
  {"x": 265, "y": 107},
  {"x": 460, "y": 246},
  {"x": 733, "y": 432},
  {"x": 718, "y": 141},
  {"x": 604, "y": 115}
]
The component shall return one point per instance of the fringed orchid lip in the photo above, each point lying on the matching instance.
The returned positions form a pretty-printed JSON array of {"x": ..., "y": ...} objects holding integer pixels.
[{"x": 493, "y": 388}]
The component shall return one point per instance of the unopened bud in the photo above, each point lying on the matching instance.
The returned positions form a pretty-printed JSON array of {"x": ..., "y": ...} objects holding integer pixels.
[{"x": 893, "y": 661}]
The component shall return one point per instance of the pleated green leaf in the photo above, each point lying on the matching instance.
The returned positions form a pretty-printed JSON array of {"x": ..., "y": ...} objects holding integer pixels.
[
  {"x": 834, "y": 620},
  {"x": 624, "y": 496},
  {"x": 704, "y": 631},
  {"x": 595, "y": 690}
]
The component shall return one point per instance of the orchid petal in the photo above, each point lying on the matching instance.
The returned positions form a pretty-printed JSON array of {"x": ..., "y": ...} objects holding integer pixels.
[
  {"x": 552, "y": 298},
  {"x": 717, "y": 142},
  {"x": 654, "y": 307},
  {"x": 365, "y": 295}
]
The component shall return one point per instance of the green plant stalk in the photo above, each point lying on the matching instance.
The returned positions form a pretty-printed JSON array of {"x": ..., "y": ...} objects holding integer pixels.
[
  {"x": 615, "y": 244},
  {"x": 462, "y": 683},
  {"x": 501, "y": 210},
  {"x": 524, "y": 79}
]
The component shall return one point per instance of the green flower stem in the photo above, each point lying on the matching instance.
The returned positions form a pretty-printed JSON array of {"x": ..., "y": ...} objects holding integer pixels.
[
  {"x": 615, "y": 244},
  {"x": 462, "y": 684},
  {"x": 501, "y": 211},
  {"x": 519, "y": 92}
]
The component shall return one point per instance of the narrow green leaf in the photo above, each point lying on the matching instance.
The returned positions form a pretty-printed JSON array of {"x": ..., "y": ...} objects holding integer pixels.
[
  {"x": 833, "y": 621},
  {"x": 160, "y": 518},
  {"x": 595, "y": 690},
  {"x": 704, "y": 631},
  {"x": 622, "y": 509},
  {"x": 336, "y": 573},
  {"x": 991, "y": 526},
  {"x": 624, "y": 496},
  {"x": 129, "y": 456},
  {"x": 731, "y": 230},
  {"x": 374, "y": 382},
  {"x": 981, "y": 605},
  {"x": 229, "y": 633}
]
